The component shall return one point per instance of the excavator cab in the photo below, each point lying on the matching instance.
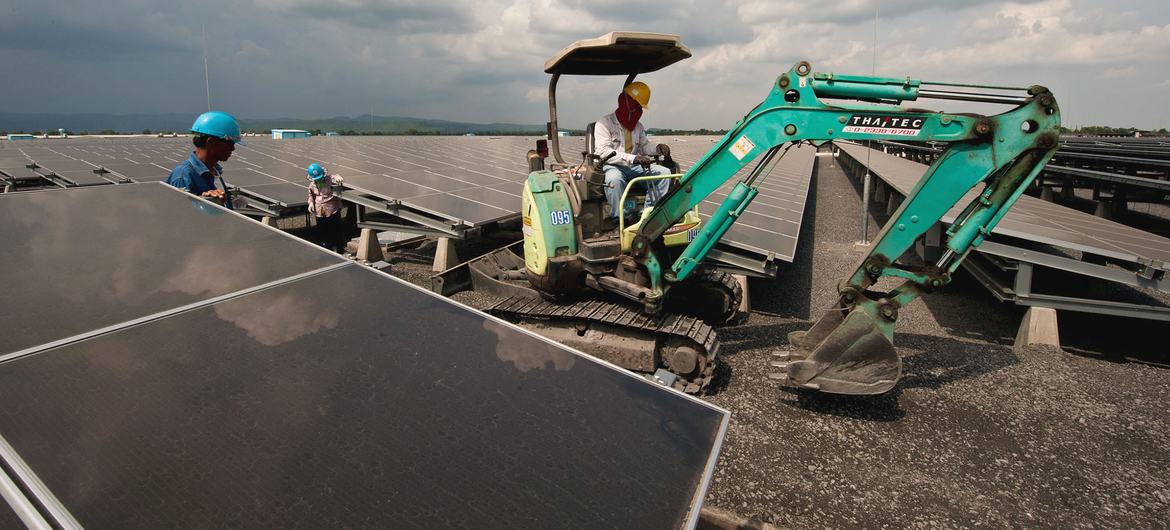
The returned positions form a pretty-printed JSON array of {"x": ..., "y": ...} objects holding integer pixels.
[{"x": 565, "y": 207}]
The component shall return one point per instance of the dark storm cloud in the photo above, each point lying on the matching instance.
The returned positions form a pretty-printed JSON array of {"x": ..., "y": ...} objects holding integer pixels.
[
  {"x": 389, "y": 15},
  {"x": 482, "y": 60}
]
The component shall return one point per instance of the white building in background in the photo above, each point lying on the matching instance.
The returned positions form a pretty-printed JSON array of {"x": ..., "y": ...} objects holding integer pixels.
[{"x": 286, "y": 134}]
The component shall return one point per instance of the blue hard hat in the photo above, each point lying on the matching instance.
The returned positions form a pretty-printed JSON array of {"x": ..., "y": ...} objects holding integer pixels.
[
  {"x": 316, "y": 172},
  {"x": 218, "y": 124}
]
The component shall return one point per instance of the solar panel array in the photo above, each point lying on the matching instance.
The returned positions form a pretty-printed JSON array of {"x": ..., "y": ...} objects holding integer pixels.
[
  {"x": 771, "y": 224},
  {"x": 1034, "y": 219},
  {"x": 76, "y": 160},
  {"x": 467, "y": 181},
  {"x": 167, "y": 363},
  {"x": 1138, "y": 165}
]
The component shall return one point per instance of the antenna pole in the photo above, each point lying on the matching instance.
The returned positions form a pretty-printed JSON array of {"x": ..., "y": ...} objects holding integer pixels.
[
  {"x": 867, "y": 181},
  {"x": 206, "y": 81}
]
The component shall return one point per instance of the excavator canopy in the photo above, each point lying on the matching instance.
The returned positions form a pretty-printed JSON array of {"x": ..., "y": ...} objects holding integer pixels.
[{"x": 618, "y": 53}]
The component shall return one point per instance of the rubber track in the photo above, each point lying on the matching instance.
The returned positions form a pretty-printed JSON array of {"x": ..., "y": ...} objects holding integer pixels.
[
  {"x": 701, "y": 336},
  {"x": 725, "y": 281}
]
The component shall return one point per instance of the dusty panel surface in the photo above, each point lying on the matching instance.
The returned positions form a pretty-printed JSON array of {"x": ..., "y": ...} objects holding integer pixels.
[{"x": 349, "y": 399}]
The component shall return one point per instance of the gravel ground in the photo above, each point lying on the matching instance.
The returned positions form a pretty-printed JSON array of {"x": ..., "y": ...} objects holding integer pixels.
[{"x": 974, "y": 435}]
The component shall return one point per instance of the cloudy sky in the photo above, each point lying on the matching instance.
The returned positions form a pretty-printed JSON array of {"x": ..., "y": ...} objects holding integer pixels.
[{"x": 482, "y": 60}]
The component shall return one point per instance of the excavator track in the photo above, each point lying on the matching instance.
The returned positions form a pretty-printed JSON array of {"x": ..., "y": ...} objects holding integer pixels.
[
  {"x": 713, "y": 296},
  {"x": 686, "y": 346}
]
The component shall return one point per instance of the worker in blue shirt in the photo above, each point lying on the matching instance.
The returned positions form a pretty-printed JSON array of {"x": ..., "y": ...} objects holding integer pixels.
[{"x": 216, "y": 136}]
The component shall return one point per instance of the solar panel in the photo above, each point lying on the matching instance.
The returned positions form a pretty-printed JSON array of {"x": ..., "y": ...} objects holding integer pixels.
[
  {"x": 138, "y": 172},
  {"x": 278, "y": 170},
  {"x": 246, "y": 177},
  {"x": 92, "y": 257},
  {"x": 14, "y": 162},
  {"x": 389, "y": 187},
  {"x": 21, "y": 174},
  {"x": 293, "y": 405},
  {"x": 771, "y": 224},
  {"x": 83, "y": 177},
  {"x": 470, "y": 211},
  {"x": 1034, "y": 219},
  {"x": 289, "y": 195},
  {"x": 64, "y": 164}
]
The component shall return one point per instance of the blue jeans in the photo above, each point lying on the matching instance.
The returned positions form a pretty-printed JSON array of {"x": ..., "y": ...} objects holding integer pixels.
[{"x": 616, "y": 178}]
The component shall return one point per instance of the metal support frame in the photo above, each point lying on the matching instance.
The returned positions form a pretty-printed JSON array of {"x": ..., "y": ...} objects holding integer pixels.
[
  {"x": 409, "y": 229},
  {"x": 423, "y": 224},
  {"x": 263, "y": 207},
  {"x": 1148, "y": 277},
  {"x": 741, "y": 264},
  {"x": 992, "y": 261},
  {"x": 111, "y": 176},
  {"x": 51, "y": 176},
  {"x": 1020, "y": 291}
]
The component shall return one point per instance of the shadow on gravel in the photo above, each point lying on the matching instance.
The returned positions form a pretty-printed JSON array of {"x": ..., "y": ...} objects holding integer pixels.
[
  {"x": 773, "y": 337},
  {"x": 882, "y": 407},
  {"x": 931, "y": 362},
  {"x": 1115, "y": 339},
  {"x": 720, "y": 380},
  {"x": 927, "y": 362}
]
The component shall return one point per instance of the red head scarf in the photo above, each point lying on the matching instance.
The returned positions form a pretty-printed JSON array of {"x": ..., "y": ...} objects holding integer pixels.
[{"x": 628, "y": 111}]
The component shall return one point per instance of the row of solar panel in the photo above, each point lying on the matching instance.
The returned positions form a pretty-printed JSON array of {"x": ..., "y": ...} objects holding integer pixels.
[{"x": 466, "y": 180}]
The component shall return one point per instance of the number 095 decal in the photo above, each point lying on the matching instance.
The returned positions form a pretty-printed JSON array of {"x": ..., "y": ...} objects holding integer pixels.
[{"x": 561, "y": 217}]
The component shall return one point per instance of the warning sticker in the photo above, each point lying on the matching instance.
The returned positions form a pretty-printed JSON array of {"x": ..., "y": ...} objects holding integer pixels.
[
  {"x": 742, "y": 147},
  {"x": 884, "y": 124}
]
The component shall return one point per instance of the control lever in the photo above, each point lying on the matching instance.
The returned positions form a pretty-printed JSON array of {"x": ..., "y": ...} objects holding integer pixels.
[{"x": 601, "y": 161}]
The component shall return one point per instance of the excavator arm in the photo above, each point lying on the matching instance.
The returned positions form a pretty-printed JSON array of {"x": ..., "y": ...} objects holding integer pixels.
[{"x": 850, "y": 349}]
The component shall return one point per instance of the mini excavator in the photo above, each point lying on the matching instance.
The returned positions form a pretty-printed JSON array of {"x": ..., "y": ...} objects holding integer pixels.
[{"x": 641, "y": 296}]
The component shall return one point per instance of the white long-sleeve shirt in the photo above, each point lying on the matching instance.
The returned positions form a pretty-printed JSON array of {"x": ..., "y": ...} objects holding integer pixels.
[{"x": 609, "y": 136}]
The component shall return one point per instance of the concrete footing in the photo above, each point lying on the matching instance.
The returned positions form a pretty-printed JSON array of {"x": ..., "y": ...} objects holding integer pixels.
[
  {"x": 445, "y": 256},
  {"x": 7, "y": 188},
  {"x": 880, "y": 193},
  {"x": 368, "y": 247},
  {"x": 268, "y": 221},
  {"x": 930, "y": 246},
  {"x": 1104, "y": 209},
  {"x": 893, "y": 204},
  {"x": 1047, "y": 195},
  {"x": 1038, "y": 327}
]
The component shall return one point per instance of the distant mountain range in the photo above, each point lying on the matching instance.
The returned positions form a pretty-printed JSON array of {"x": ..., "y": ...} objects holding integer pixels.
[{"x": 174, "y": 122}]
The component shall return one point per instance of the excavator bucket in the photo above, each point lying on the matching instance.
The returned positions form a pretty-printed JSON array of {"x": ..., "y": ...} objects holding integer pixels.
[{"x": 844, "y": 353}]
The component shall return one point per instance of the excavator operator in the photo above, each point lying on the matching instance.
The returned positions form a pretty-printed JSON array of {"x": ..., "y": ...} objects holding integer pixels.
[{"x": 620, "y": 134}]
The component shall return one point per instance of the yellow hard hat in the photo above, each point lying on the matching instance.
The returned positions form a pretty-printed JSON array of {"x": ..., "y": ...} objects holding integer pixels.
[{"x": 639, "y": 91}]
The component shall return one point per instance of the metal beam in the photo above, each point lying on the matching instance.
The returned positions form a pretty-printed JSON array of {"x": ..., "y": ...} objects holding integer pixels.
[
  {"x": 409, "y": 229},
  {"x": 1158, "y": 280},
  {"x": 740, "y": 264},
  {"x": 397, "y": 209}
]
